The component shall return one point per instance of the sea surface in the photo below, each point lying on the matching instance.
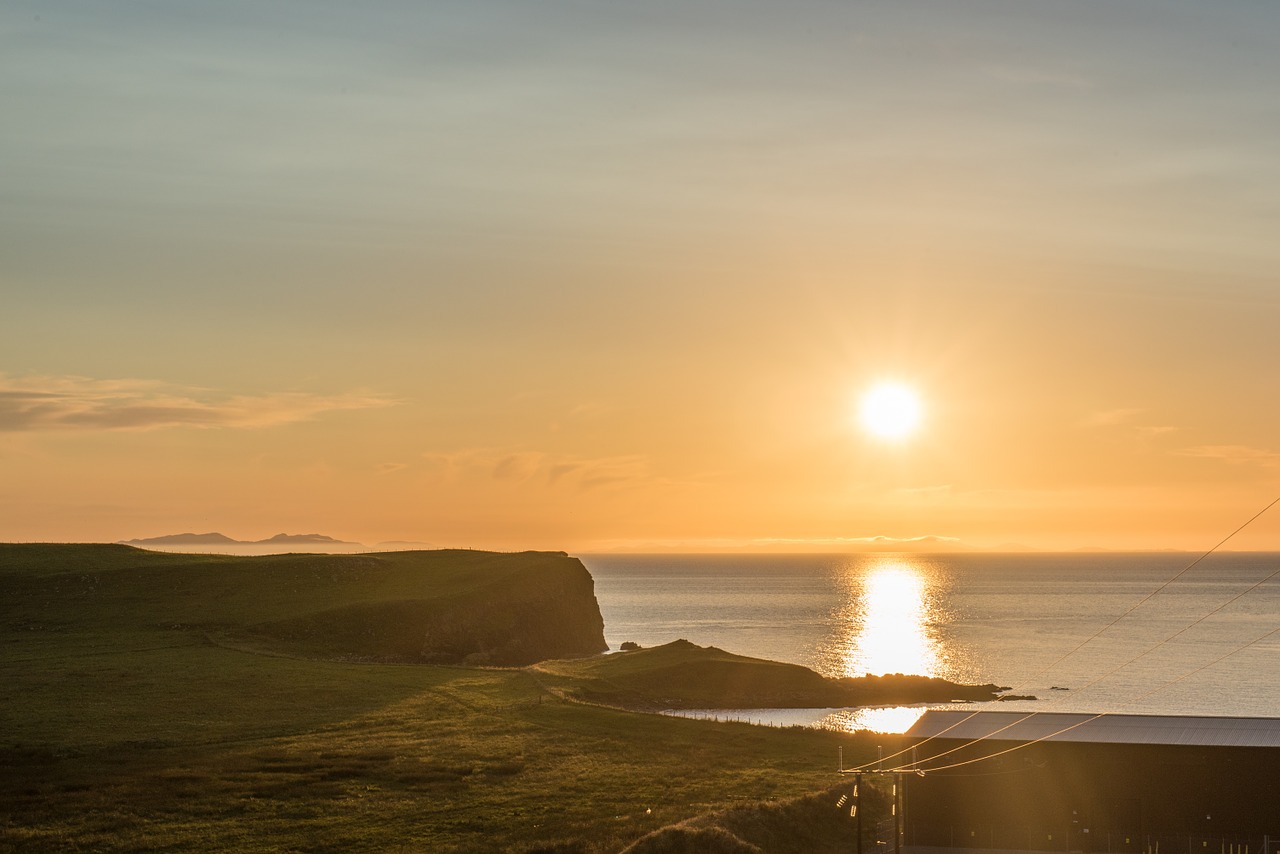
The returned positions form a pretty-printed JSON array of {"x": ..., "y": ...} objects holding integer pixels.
[{"x": 1121, "y": 633}]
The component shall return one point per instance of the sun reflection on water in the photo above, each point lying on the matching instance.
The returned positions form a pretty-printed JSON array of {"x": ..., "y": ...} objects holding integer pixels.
[
  {"x": 885, "y": 719},
  {"x": 883, "y": 625},
  {"x": 885, "y": 622}
]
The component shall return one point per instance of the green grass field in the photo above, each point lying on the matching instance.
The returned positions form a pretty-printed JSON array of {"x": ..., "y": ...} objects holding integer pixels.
[{"x": 134, "y": 715}]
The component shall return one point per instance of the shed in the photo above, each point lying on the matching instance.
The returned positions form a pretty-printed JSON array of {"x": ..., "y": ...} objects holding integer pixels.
[{"x": 1045, "y": 781}]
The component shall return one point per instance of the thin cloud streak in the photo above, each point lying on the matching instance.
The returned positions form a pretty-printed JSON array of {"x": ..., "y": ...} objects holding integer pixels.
[
  {"x": 1233, "y": 454},
  {"x": 585, "y": 473},
  {"x": 878, "y": 541},
  {"x": 70, "y": 403},
  {"x": 790, "y": 545},
  {"x": 1110, "y": 417}
]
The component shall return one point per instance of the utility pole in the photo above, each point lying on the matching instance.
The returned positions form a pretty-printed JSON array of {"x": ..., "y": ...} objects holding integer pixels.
[
  {"x": 898, "y": 798},
  {"x": 857, "y": 789},
  {"x": 897, "y": 813}
]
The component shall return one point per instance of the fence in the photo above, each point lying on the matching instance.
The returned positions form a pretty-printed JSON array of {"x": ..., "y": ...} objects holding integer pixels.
[{"x": 1076, "y": 839}]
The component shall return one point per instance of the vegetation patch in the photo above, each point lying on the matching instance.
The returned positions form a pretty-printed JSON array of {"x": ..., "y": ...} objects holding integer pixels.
[
  {"x": 444, "y": 607},
  {"x": 682, "y": 675},
  {"x": 151, "y": 717},
  {"x": 801, "y": 825}
]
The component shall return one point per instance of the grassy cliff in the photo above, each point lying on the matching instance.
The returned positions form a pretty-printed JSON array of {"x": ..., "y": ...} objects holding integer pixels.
[
  {"x": 682, "y": 675},
  {"x": 177, "y": 702},
  {"x": 440, "y": 606}
]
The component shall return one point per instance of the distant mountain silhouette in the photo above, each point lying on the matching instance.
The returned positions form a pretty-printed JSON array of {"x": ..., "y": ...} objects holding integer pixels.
[
  {"x": 297, "y": 538},
  {"x": 216, "y": 539},
  {"x": 212, "y": 538}
]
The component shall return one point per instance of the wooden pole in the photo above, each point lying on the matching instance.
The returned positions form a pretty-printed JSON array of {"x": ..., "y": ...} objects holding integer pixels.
[
  {"x": 897, "y": 813},
  {"x": 857, "y": 804}
]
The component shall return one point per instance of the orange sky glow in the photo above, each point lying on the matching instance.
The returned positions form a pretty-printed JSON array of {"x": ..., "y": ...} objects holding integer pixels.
[{"x": 616, "y": 278}]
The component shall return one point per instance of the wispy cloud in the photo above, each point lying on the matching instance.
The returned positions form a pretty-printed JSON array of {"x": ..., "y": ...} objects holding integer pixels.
[
  {"x": 879, "y": 541},
  {"x": 1233, "y": 454},
  {"x": 44, "y": 403},
  {"x": 1110, "y": 417},
  {"x": 1123, "y": 418},
  {"x": 517, "y": 466},
  {"x": 923, "y": 493},
  {"x": 783, "y": 545},
  {"x": 1028, "y": 76}
]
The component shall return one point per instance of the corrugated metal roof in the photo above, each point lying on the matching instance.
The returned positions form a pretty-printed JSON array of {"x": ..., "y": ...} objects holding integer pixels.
[{"x": 1104, "y": 729}]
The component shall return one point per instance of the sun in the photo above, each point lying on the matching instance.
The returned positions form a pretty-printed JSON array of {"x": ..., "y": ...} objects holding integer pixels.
[{"x": 890, "y": 410}]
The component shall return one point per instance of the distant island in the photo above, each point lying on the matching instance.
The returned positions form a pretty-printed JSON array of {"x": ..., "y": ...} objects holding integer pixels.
[
  {"x": 214, "y": 538},
  {"x": 215, "y": 542}
]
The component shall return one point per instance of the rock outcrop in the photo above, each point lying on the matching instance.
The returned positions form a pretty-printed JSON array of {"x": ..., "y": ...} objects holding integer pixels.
[
  {"x": 682, "y": 675},
  {"x": 513, "y": 610},
  {"x": 508, "y": 610}
]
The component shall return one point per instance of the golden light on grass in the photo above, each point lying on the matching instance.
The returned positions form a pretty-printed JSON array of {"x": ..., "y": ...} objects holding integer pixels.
[{"x": 890, "y": 410}]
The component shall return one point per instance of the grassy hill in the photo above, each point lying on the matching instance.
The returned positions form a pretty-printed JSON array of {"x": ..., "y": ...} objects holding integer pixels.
[
  {"x": 441, "y": 606},
  {"x": 682, "y": 675},
  {"x": 153, "y": 702}
]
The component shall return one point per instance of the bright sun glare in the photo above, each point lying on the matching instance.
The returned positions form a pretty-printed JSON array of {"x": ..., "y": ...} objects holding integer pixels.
[{"x": 890, "y": 410}]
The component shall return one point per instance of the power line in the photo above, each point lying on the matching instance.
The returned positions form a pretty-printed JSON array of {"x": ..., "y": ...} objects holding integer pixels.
[
  {"x": 1104, "y": 676},
  {"x": 1184, "y": 629},
  {"x": 1017, "y": 747},
  {"x": 1155, "y": 592},
  {"x": 880, "y": 760},
  {"x": 1101, "y": 631}
]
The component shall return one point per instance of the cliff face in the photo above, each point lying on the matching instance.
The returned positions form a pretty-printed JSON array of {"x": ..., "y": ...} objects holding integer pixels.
[
  {"x": 456, "y": 607},
  {"x": 555, "y": 616},
  {"x": 513, "y": 610}
]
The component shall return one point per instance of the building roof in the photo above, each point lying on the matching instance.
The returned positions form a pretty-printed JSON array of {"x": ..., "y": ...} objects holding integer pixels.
[{"x": 1098, "y": 729}]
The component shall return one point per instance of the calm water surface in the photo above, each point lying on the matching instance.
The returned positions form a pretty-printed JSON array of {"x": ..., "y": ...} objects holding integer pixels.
[{"x": 1016, "y": 620}]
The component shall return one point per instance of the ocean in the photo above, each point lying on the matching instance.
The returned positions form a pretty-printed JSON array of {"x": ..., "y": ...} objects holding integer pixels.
[{"x": 1092, "y": 632}]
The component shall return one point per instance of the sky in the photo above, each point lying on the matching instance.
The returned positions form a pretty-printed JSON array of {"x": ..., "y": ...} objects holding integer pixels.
[{"x": 613, "y": 276}]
